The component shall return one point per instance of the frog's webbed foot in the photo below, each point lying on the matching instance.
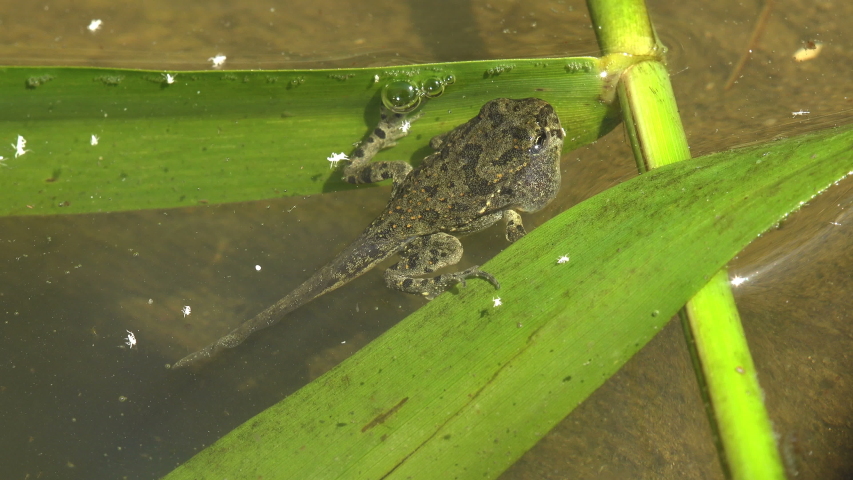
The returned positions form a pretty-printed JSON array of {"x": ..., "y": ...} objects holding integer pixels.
[
  {"x": 425, "y": 255},
  {"x": 475, "y": 272}
]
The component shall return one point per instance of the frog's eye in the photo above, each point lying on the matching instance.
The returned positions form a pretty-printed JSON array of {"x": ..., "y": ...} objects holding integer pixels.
[{"x": 538, "y": 143}]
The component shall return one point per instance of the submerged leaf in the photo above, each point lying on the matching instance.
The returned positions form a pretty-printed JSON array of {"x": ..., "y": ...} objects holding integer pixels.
[{"x": 461, "y": 389}]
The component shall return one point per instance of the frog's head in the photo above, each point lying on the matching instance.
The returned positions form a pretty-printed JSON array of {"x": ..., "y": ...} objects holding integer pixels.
[
  {"x": 521, "y": 131},
  {"x": 531, "y": 139}
]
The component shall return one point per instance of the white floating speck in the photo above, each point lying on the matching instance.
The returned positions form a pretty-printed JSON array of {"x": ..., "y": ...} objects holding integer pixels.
[
  {"x": 186, "y": 310},
  {"x": 169, "y": 78},
  {"x": 563, "y": 259},
  {"x": 406, "y": 126},
  {"x": 497, "y": 302},
  {"x": 94, "y": 140},
  {"x": 800, "y": 113},
  {"x": 20, "y": 146},
  {"x": 131, "y": 339},
  {"x": 258, "y": 268},
  {"x": 218, "y": 60},
  {"x": 737, "y": 281},
  {"x": 334, "y": 158},
  {"x": 94, "y": 25}
]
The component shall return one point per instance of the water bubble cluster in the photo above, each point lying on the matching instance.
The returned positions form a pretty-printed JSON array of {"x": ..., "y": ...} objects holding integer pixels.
[
  {"x": 403, "y": 96},
  {"x": 497, "y": 70}
]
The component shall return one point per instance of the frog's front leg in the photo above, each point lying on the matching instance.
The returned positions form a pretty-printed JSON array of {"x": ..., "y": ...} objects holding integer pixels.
[
  {"x": 392, "y": 127},
  {"x": 425, "y": 255},
  {"x": 514, "y": 227}
]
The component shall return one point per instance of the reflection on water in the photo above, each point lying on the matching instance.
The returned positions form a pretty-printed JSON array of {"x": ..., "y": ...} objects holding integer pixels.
[{"x": 78, "y": 403}]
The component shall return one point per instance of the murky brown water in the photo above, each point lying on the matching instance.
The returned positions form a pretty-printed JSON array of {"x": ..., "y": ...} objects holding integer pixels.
[{"x": 70, "y": 287}]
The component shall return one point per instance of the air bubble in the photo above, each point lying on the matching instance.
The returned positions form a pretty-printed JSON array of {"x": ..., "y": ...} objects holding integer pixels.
[
  {"x": 400, "y": 96},
  {"x": 433, "y": 87}
]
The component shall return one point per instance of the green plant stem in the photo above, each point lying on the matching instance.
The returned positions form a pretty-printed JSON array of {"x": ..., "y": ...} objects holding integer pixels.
[
  {"x": 654, "y": 127},
  {"x": 737, "y": 400}
]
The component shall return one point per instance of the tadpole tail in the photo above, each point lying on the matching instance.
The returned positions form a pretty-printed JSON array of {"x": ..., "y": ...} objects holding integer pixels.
[{"x": 355, "y": 260}]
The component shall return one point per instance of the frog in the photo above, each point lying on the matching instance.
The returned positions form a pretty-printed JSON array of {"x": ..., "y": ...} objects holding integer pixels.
[{"x": 503, "y": 161}]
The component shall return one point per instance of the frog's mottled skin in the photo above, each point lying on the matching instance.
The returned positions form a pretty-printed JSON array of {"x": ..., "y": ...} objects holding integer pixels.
[{"x": 504, "y": 160}]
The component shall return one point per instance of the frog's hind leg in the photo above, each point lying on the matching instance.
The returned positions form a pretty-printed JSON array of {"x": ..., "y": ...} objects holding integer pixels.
[{"x": 425, "y": 255}]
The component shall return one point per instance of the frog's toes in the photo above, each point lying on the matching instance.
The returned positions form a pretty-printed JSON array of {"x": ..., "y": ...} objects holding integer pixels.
[{"x": 476, "y": 272}]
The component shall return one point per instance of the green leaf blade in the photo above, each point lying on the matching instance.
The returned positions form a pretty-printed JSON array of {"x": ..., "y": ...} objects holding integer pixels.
[
  {"x": 462, "y": 376},
  {"x": 230, "y": 136}
]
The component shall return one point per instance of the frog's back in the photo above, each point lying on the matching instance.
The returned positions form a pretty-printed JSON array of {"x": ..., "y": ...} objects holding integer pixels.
[{"x": 478, "y": 169}]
